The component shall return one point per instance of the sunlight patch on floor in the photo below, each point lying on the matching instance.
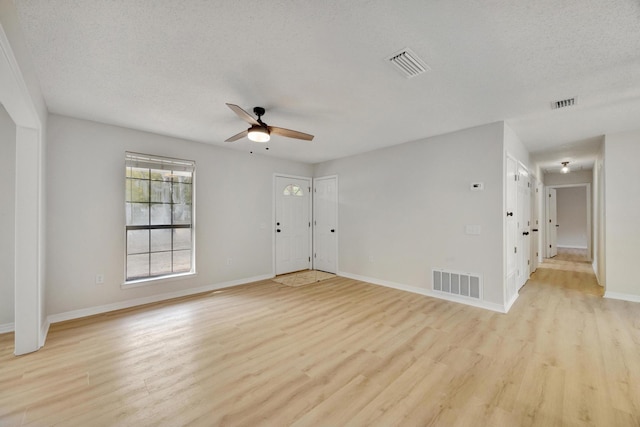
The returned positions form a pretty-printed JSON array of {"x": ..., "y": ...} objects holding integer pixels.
[{"x": 301, "y": 278}]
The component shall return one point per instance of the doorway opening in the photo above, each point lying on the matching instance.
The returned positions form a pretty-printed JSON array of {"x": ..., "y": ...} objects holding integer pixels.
[{"x": 568, "y": 224}]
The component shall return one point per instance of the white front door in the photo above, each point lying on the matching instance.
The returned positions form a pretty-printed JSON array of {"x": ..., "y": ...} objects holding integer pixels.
[
  {"x": 292, "y": 224},
  {"x": 552, "y": 223},
  {"x": 325, "y": 221}
]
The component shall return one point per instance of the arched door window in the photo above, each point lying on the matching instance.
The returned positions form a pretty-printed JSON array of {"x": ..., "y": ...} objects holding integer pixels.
[{"x": 292, "y": 190}]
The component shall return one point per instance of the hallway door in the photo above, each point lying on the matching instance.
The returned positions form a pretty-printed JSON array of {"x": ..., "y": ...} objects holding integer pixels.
[
  {"x": 523, "y": 225},
  {"x": 325, "y": 222},
  {"x": 552, "y": 223}
]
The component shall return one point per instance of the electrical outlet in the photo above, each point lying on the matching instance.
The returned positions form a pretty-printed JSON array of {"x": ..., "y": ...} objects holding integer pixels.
[{"x": 99, "y": 279}]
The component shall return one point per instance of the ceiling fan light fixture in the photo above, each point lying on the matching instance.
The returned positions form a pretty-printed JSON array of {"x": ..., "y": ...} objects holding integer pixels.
[
  {"x": 565, "y": 168},
  {"x": 259, "y": 134}
]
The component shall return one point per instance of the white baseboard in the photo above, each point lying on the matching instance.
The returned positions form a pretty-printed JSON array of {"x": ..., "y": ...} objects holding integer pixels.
[
  {"x": 44, "y": 331},
  {"x": 90, "y": 311},
  {"x": 413, "y": 289},
  {"x": 7, "y": 327},
  {"x": 510, "y": 303},
  {"x": 624, "y": 297},
  {"x": 571, "y": 247}
]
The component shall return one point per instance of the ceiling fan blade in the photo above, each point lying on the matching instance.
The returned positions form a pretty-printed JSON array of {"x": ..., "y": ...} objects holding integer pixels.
[
  {"x": 290, "y": 133},
  {"x": 243, "y": 114},
  {"x": 237, "y": 136}
]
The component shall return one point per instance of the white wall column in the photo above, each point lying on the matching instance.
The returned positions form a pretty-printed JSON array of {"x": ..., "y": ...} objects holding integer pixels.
[
  {"x": 27, "y": 241},
  {"x": 21, "y": 96}
]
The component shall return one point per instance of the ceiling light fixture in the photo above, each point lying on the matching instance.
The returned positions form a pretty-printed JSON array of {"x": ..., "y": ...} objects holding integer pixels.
[
  {"x": 565, "y": 168},
  {"x": 258, "y": 134}
]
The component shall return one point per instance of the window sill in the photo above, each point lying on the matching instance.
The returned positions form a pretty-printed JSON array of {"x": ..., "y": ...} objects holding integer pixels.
[{"x": 154, "y": 280}]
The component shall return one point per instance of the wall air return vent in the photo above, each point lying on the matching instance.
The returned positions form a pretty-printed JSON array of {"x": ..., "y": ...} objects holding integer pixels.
[
  {"x": 456, "y": 283},
  {"x": 563, "y": 103},
  {"x": 408, "y": 63}
]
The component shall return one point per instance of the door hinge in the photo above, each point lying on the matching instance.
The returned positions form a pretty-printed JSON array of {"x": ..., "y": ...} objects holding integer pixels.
[
  {"x": 515, "y": 250},
  {"x": 315, "y": 222},
  {"x": 309, "y": 259},
  {"x": 536, "y": 253},
  {"x": 309, "y": 223},
  {"x": 528, "y": 184},
  {"x": 549, "y": 246},
  {"x": 309, "y": 189},
  {"x": 315, "y": 255},
  {"x": 528, "y": 262}
]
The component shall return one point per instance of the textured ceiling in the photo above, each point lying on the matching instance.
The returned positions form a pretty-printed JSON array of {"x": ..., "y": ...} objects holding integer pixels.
[{"x": 169, "y": 66}]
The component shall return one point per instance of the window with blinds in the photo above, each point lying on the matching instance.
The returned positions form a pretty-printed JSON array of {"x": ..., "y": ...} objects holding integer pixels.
[{"x": 159, "y": 206}]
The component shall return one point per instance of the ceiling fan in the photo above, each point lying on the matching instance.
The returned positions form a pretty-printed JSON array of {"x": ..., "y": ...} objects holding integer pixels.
[{"x": 259, "y": 130}]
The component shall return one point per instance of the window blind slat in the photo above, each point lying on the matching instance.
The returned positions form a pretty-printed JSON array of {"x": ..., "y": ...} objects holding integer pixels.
[{"x": 156, "y": 162}]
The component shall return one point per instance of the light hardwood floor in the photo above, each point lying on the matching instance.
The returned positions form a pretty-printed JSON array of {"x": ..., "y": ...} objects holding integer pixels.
[{"x": 339, "y": 352}]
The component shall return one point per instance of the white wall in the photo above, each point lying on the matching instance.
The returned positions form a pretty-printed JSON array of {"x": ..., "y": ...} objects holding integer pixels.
[
  {"x": 86, "y": 212},
  {"x": 572, "y": 217},
  {"x": 514, "y": 147},
  {"x": 578, "y": 177},
  {"x": 403, "y": 209},
  {"x": 599, "y": 266},
  {"x": 622, "y": 193},
  {"x": 7, "y": 217}
]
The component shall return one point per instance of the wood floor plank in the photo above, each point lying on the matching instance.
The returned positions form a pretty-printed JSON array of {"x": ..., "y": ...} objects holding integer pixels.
[{"x": 338, "y": 352}]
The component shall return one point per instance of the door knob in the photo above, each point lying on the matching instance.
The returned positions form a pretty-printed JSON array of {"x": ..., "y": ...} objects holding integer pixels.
[
  {"x": 509, "y": 213},
  {"x": 535, "y": 229},
  {"x": 333, "y": 230},
  {"x": 278, "y": 230},
  {"x": 525, "y": 233}
]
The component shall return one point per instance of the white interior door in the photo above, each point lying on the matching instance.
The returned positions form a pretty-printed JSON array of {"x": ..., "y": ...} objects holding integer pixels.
[
  {"x": 511, "y": 227},
  {"x": 552, "y": 223},
  {"x": 292, "y": 224},
  {"x": 325, "y": 221},
  {"x": 524, "y": 222},
  {"x": 536, "y": 224}
]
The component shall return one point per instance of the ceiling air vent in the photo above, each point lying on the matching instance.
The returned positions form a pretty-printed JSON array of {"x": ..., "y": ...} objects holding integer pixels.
[
  {"x": 563, "y": 103},
  {"x": 408, "y": 63}
]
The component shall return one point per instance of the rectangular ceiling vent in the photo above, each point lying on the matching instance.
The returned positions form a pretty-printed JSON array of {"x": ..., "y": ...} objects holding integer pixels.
[
  {"x": 408, "y": 63},
  {"x": 563, "y": 103}
]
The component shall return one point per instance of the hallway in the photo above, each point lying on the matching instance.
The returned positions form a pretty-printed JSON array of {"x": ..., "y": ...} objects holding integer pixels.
[{"x": 569, "y": 260}]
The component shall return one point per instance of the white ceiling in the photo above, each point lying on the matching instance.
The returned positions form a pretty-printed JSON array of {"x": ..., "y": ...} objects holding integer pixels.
[{"x": 169, "y": 66}]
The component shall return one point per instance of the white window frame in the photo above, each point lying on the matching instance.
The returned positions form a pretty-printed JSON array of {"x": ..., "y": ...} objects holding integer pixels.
[{"x": 163, "y": 163}]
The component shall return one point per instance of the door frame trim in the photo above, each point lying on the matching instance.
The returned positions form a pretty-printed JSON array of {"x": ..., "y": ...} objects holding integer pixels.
[
  {"x": 273, "y": 216},
  {"x": 337, "y": 225}
]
